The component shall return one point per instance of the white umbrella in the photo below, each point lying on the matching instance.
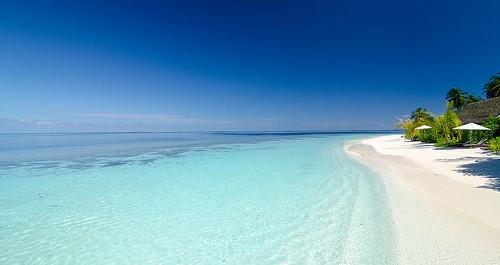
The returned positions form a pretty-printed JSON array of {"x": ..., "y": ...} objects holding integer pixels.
[
  {"x": 423, "y": 127},
  {"x": 472, "y": 127}
]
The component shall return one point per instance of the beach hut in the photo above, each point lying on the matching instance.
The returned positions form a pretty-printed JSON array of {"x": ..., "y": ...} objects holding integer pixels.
[{"x": 479, "y": 112}]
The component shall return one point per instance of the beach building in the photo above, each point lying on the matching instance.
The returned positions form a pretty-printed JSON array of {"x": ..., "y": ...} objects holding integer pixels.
[{"x": 480, "y": 111}]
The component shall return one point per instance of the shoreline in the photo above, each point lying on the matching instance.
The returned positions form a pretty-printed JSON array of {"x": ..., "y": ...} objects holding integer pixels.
[{"x": 442, "y": 213}]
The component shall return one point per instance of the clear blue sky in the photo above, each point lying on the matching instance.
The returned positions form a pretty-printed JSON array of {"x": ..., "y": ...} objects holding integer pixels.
[{"x": 229, "y": 65}]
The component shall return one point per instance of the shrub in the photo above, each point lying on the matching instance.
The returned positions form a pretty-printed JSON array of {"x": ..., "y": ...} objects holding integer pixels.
[
  {"x": 494, "y": 145},
  {"x": 443, "y": 125},
  {"x": 427, "y": 136},
  {"x": 408, "y": 127},
  {"x": 441, "y": 142},
  {"x": 418, "y": 117},
  {"x": 494, "y": 124},
  {"x": 454, "y": 141}
]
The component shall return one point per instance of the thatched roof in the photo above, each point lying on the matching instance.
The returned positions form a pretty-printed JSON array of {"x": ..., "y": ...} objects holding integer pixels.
[{"x": 480, "y": 111}]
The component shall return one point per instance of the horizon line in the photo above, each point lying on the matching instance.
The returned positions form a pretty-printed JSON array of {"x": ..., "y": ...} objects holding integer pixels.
[{"x": 213, "y": 131}]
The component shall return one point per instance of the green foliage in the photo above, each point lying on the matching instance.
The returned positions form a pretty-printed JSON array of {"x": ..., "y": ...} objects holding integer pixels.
[
  {"x": 426, "y": 136},
  {"x": 457, "y": 97},
  {"x": 471, "y": 99},
  {"x": 443, "y": 127},
  {"x": 408, "y": 127},
  {"x": 494, "y": 124},
  {"x": 492, "y": 88},
  {"x": 441, "y": 142},
  {"x": 460, "y": 98},
  {"x": 420, "y": 116},
  {"x": 442, "y": 133},
  {"x": 494, "y": 145}
]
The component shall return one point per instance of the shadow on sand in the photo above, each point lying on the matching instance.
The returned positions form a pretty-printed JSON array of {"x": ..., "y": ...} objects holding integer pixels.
[{"x": 486, "y": 167}]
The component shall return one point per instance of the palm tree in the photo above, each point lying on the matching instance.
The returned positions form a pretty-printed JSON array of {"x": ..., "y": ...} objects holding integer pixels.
[
  {"x": 457, "y": 97},
  {"x": 492, "y": 88},
  {"x": 471, "y": 99},
  {"x": 420, "y": 115}
]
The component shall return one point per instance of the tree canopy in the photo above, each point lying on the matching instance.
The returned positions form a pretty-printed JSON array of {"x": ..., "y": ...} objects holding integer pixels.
[
  {"x": 460, "y": 98},
  {"x": 492, "y": 88}
]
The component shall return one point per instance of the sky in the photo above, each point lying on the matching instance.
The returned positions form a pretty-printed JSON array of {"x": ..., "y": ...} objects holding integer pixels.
[{"x": 92, "y": 66}]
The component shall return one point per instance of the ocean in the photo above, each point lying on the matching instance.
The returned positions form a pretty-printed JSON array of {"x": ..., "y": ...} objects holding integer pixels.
[{"x": 190, "y": 198}]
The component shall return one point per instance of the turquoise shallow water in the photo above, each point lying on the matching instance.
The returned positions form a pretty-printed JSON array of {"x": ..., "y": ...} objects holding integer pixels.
[{"x": 230, "y": 199}]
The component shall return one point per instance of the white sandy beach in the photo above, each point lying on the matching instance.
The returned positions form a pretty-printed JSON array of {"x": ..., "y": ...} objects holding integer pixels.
[{"x": 445, "y": 202}]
